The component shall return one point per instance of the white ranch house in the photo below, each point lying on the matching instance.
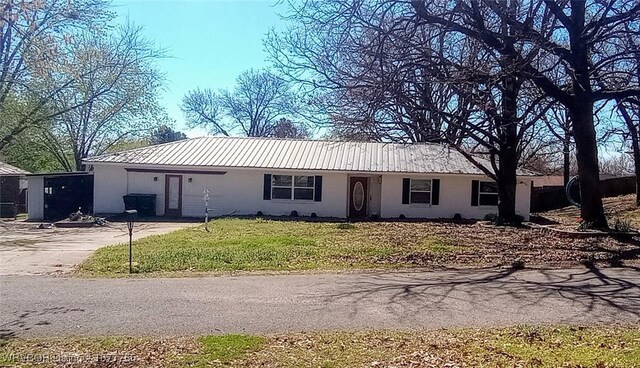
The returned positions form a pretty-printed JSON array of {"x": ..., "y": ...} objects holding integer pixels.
[{"x": 313, "y": 177}]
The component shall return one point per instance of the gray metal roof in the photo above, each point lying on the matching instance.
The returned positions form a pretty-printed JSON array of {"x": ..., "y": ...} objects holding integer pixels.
[
  {"x": 299, "y": 154},
  {"x": 8, "y": 170}
]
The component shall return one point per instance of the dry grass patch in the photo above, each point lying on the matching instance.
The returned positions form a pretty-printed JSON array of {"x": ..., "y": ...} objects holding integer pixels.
[
  {"x": 621, "y": 207},
  {"x": 523, "y": 346},
  {"x": 97, "y": 352},
  {"x": 508, "y": 347}
]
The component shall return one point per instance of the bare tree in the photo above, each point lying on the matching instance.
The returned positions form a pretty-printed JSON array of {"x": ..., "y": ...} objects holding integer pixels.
[
  {"x": 630, "y": 113},
  {"x": 559, "y": 127},
  {"x": 629, "y": 108},
  {"x": 285, "y": 128},
  {"x": 33, "y": 35},
  {"x": 254, "y": 106},
  {"x": 619, "y": 165},
  {"x": 584, "y": 39},
  {"x": 384, "y": 76},
  {"x": 257, "y": 101},
  {"x": 203, "y": 108},
  {"x": 116, "y": 76},
  {"x": 368, "y": 72}
]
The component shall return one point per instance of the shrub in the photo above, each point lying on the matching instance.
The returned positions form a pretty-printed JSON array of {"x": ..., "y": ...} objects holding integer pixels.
[
  {"x": 491, "y": 217},
  {"x": 497, "y": 220},
  {"x": 622, "y": 225},
  {"x": 584, "y": 225},
  {"x": 345, "y": 226}
]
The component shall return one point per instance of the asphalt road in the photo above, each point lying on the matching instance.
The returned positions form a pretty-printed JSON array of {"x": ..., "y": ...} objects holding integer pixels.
[{"x": 56, "y": 306}]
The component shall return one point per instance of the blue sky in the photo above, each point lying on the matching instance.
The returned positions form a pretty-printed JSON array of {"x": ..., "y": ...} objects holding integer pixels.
[{"x": 210, "y": 42}]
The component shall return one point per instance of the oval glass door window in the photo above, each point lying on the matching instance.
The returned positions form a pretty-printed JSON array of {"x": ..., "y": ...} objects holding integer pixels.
[{"x": 358, "y": 196}]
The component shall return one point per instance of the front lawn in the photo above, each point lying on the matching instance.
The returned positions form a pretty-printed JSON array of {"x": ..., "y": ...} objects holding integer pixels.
[
  {"x": 263, "y": 245},
  {"x": 235, "y": 245},
  {"x": 523, "y": 346}
]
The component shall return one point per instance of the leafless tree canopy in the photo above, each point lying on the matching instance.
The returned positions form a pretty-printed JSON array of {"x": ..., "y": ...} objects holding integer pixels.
[
  {"x": 479, "y": 74},
  {"x": 253, "y": 107}
]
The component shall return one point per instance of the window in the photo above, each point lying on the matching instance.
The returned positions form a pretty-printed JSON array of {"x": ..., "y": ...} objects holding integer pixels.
[
  {"x": 281, "y": 187},
  {"x": 488, "y": 193},
  {"x": 299, "y": 187},
  {"x": 420, "y": 191}
]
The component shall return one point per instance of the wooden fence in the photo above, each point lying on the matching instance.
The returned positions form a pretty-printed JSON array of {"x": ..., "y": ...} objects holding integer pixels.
[{"x": 552, "y": 197}]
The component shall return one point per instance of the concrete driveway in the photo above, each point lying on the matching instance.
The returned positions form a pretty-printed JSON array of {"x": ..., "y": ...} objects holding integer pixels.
[{"x": 27, "y": 250}]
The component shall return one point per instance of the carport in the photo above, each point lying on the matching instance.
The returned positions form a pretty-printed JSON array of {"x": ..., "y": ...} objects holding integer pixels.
[
  {"x": 53, "y": 196},
  {"x": 11, "y": 185}
]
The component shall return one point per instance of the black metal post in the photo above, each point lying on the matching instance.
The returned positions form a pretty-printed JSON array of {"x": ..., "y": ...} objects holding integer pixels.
[{"x": 131, "y": 217}]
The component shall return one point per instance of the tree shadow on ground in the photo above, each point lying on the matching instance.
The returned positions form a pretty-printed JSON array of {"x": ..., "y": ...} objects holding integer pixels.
[
  {"x": 578, "y": 294},
  {"x": 25, "y": 321}
]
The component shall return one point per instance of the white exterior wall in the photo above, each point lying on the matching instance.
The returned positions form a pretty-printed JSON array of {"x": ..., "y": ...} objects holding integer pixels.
[
  {"x": 523, "y": 197},
  {"x": 455, "y": 197},
  {"x": 35, "y": 198},
  {"x": 143, "y": 183},
  {"x": 240, "y": 192},
  {"x": 109, "y": 185}
]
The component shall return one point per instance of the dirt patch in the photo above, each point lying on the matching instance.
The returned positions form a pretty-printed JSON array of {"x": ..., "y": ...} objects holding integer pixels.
[
  {"x": 481, "y": 246},
  {"x": 621, "y": 207}
]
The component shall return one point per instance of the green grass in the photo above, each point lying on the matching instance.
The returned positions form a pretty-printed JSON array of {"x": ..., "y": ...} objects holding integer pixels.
[
  {"x": 521, "y": 346},
  {"x": 264, "y": 245},
  {"x": 226, "y": 348}
]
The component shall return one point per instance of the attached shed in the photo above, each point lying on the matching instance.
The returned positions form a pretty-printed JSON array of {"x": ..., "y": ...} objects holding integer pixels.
[
  {"x": 245, "y": 176},
  {"x": 11, "y": 185},
  {"x": 53, "y": 196}
]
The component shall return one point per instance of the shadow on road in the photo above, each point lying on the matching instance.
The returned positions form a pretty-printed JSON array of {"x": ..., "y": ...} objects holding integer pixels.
[
  {"x": 26, "y": 320},
  {"x": 586, "y": 290}
]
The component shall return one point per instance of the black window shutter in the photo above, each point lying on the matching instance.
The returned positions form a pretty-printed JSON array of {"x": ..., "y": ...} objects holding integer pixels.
[
  {"x": 318, "y": 189},
  {"x": 475, "y": 187},
  {"x": 435, "y": 191},
  {"x": 266, "y": 194},
  {"x": 406, "y": 188}
]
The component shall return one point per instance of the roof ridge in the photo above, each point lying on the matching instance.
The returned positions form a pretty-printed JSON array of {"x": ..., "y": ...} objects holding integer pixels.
[
  {"x": 145, "y": 147},
  {"x": 321, "y": 140}
]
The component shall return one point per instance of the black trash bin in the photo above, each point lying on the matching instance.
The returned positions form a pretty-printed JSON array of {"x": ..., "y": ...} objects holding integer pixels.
[{"x": 145, "y": 204}]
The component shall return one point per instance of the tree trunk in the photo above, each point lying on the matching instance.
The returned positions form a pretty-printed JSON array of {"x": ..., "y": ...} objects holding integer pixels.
[
  {"x": 592, "y": 210},
  {"x": 634, "y": 132},
  {"x": 636, "y": 160},
  {"x": 507, "y": 131},
  {"x": 566, "y": 153},
  {"x": 506, "y": 180},
  {"x": 581, "y": 115}
]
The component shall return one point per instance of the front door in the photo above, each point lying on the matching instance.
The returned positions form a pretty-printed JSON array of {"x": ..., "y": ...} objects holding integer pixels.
[
  {"x": 358, "y": 194},
  {"x": 173, "y": 195}
]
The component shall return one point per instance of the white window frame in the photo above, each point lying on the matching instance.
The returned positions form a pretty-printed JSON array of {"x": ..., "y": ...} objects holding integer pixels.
[
  {"x": 430, "y": 191},
  {"x": 481, "y": 193},
  {"x": 293, "y": 187}
]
